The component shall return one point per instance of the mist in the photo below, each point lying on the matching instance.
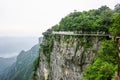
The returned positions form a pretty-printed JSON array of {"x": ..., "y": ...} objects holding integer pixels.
[{"x": 11, "y": 46}]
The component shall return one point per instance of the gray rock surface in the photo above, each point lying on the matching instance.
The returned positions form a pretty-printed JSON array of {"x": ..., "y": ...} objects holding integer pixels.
[{"x": 69, "y": 58}]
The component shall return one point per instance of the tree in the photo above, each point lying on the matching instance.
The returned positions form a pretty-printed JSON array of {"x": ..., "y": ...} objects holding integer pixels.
[
  {"x": 115, "y": 29},
  {"x": 105, "y": 64},
  {"x": 117, "y": 8}
]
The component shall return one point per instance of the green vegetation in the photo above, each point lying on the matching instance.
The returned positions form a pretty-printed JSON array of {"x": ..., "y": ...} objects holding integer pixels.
[
  {"x": 105, "y": 64},
  {"x": 47, "y": 47},
  {"x": 35, "y": 65},
  {"x": 93, "y": 20},
  {"x": 36, "y": 62},
  {"x": 115, "y": 29},
  {"x": 104, "y": 20}
]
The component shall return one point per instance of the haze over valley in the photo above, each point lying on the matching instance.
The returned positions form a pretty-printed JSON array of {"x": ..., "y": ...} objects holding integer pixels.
[{"x": 12, "y": 46}]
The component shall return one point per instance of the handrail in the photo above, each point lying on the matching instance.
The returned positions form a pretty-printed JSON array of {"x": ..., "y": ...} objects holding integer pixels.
[{"x": 79, "y": 33}]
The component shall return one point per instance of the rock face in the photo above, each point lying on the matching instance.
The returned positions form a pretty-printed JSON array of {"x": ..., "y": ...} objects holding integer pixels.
[
  {"x": 23, "y": 67},
  {"x": 69, "y": 58}
]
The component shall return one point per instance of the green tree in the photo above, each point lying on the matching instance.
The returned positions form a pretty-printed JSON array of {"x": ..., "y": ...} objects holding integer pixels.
[
  {"x": 115, "y": 29},
  {"x": 93, "y": 20},
  {"x": 105, "y": 65},
  {"x": 117, "y": 8}
]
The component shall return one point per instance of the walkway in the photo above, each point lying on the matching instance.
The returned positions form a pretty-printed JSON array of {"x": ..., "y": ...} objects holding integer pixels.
[{"x": 82, "y": 34}]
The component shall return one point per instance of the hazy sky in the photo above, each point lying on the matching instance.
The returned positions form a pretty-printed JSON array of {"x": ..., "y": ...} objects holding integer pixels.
[
  {"x": 12, "y": 46},
  {"x": 32, "y": 17}
]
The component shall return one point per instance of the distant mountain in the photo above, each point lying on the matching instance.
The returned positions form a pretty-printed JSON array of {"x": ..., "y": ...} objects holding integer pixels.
[
  {"x": 6, "y": 63},
  {"x": 11, "y": 46},
  {"x": 22, "y": 69}
]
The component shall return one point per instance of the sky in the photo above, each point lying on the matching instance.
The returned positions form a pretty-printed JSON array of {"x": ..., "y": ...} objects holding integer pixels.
[{"x": 33, "y": 17}]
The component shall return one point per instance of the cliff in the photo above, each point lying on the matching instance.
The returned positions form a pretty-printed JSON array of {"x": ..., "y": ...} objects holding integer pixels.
[
  {"x": 69, "y": 47},
  {"x": 68, "y": 58}
]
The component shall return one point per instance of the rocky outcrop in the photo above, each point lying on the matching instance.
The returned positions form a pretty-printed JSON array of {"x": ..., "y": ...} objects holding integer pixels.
[
  {"x": 69, "y": 57},
  {"x": 23, "y": 68}
]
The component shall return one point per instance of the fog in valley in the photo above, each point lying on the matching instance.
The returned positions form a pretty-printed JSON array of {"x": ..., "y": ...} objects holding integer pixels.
[{"x": 11, "y": 46}]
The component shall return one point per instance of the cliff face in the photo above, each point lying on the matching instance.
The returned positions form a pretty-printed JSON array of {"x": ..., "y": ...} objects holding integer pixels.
[{"x": 69, "y": 57}]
